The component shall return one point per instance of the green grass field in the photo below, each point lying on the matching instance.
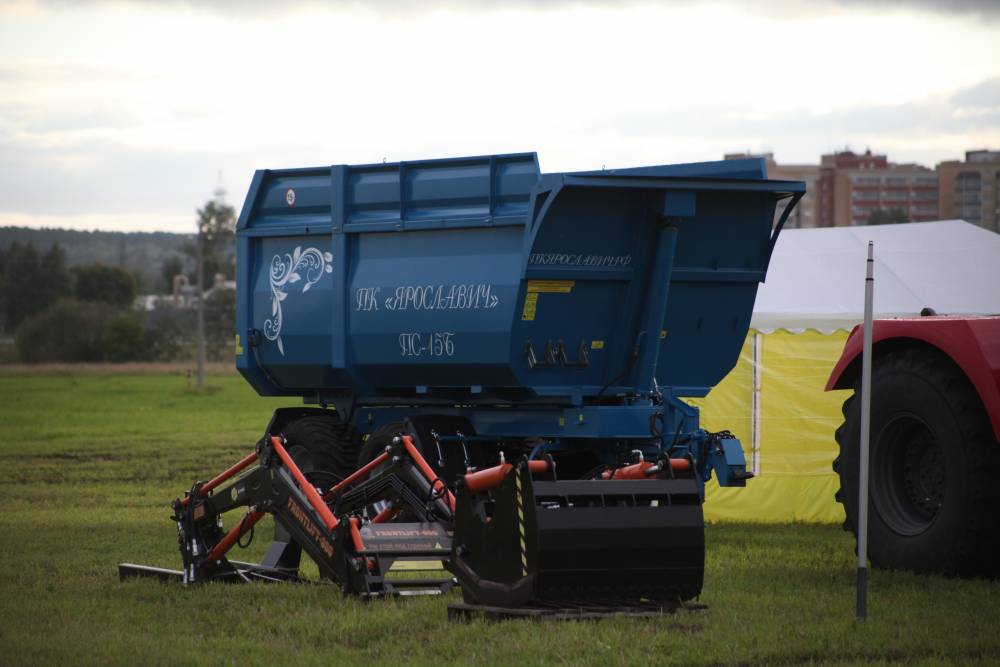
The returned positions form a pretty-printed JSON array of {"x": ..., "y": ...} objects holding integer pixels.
[{"x": 90, "y": 462}]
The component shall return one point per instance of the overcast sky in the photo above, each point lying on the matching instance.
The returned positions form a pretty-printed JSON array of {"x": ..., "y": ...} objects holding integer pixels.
[{"x": 121, "y": 115}]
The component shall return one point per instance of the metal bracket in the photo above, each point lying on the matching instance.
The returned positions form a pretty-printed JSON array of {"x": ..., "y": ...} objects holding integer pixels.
[
  {"x": 549, "y": 358},
  {"x": 555, "y": 355},
  {"x": 582, "y": 356}
]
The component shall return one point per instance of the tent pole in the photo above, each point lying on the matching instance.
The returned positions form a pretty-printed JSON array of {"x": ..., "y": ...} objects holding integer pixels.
[
  {"x": 866, "y": 404},
  {"x": 757, "y": 350}
]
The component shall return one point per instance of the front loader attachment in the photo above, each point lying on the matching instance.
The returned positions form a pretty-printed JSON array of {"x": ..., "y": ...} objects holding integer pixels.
[
  {"x": 602, "y": 544},
  {"x": 351, "y": 546}
]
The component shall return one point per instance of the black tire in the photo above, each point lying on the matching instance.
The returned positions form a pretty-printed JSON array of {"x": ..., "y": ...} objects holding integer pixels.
[
  {"x": 379, "y": 439},
  {"x": 933, "y": 505},
  {"x": 324, "y": 448}
]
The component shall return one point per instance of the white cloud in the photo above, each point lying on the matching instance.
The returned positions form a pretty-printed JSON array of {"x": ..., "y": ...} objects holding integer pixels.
[{"x": 130, "y": 109}]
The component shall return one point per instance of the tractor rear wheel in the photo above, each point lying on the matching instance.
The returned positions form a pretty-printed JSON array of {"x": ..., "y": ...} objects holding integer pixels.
[{"x": 933, "y": 457}]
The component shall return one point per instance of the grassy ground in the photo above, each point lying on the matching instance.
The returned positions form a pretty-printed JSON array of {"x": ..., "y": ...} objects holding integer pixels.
[{"x": 90, "y": 461}]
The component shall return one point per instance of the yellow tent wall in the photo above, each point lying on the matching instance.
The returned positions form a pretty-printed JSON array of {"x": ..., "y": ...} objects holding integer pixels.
[{"x": 787, "y": 429}]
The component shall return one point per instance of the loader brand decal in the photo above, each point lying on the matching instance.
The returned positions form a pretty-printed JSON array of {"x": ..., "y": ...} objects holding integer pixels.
[
  {"x": 536, "y": 287},
  {"x": 403, "y": 539},
  {"x": 310, "y": 527},
  {"x": 306, "y": 266},
  {"x": 569, "y": 259}
]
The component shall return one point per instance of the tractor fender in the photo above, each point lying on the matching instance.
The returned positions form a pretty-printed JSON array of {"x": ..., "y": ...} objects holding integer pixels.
[{"x": 973, "y": 343}]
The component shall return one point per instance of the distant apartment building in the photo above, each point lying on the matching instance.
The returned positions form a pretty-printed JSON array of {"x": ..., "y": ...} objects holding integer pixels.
[
  {"x": 970, "y": 189},
  {"x": 852, "y": 187},
  {"x": 805, "y": 214}
]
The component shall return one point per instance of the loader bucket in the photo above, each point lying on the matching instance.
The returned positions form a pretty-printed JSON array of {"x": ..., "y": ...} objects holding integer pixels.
[{"x": 604, "y": 544}]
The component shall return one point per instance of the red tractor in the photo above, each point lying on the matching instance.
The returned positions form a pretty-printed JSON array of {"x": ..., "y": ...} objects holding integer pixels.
[{"x": 935, "y": 443}]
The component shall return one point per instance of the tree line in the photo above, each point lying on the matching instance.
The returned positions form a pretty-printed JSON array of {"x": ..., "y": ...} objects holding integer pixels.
[{"x": 87, "y": 313}]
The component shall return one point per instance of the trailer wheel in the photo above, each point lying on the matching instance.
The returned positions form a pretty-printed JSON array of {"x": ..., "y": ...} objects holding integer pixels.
[
  {"x": 932, "y": 459},
  {"x": 379, "y": 439},
  {"x": 324, "y": 448}
]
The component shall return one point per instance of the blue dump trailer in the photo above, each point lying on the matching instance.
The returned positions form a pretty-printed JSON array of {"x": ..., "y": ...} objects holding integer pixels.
[{"x": 497, "y": 360}]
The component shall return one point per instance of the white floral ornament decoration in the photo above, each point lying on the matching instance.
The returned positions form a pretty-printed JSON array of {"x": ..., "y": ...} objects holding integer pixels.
[{"x": 287, "y": 269}]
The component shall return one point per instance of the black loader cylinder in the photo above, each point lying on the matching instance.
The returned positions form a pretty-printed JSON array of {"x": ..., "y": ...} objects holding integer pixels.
[{"x": 522, "y": 542}]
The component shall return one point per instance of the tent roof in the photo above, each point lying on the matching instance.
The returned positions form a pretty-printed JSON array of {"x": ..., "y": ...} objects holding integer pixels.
[{"x": 816, "y": 276}]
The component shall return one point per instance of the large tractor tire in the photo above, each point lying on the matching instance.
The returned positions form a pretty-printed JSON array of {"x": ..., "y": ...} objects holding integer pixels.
[{"x": 934, "y": 500}]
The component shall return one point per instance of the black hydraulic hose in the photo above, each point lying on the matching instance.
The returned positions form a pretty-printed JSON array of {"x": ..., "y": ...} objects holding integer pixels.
[
  {"x": 628, "y": 366},
  {"x": 239, "y": 540}
]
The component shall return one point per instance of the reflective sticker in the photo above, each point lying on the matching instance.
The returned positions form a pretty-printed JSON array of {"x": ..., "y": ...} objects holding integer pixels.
[
  {"x": 530, "y": 305},
  {"x": 663, "y": 334},
  {"x": 520, "y": 522},
  {"x": 415, "y": 565},
  {"x": 290, "y": 197},
  {"x": 597, "y": 345},
  {"x": 554, "y": 286},
  {"x": 239, "y": 347}
]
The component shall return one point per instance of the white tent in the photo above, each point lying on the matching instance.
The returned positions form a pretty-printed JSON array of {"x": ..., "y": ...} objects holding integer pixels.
[
  {"x": 816, "y": 276},
  {"x": 774, "y": 399}
]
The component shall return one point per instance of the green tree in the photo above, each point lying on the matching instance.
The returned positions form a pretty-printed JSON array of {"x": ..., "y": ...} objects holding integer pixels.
[
  {"x": 172, "y": 266},
  {"x": 169, "y": 333},
  {"x": 888, "y": 216},
  {"x": 32, "y": 282},
  {"x": 66, "y": 331},
  {"x": 216, "y": 230},
  {"x": 220, "y": 323},
  {"x": 75, "y": 331},
  {"x": 54, "y": 281},
  {"x": 217, "y": 227},
  {"x": 4, "y": 253},
  {"x": 126, "y": 340},
  {"x": 109, "y": 284}
]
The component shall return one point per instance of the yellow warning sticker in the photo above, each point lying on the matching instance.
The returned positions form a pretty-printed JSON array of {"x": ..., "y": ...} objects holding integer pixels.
[
  {"x": 553, "y": 286},
  {"x": 530, "y": 305},
  {"x": 239, "y": 348},
  {"x": 536, "y": 287},
  {"x": 597, "y": 345}
]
